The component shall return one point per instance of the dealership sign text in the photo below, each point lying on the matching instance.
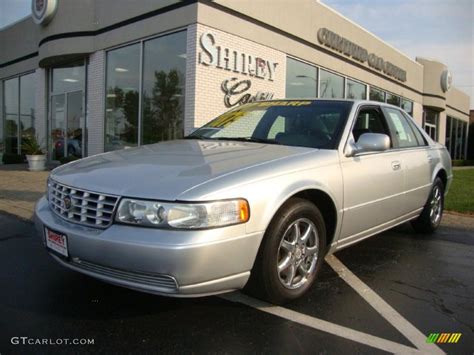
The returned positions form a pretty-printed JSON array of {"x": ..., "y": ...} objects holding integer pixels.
[
  {"x": 214, "y": 55},
  {"x": 236, "y": 92},
  {"x": 356, "y": 52}
]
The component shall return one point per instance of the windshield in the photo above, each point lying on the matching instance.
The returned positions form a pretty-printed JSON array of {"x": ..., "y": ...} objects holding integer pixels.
[{"x": 305, "y": 123}]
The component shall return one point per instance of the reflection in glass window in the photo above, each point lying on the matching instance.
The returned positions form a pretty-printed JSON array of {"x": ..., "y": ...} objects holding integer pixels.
[
  {"x": 393, "y": 99},
  {"x": 27, "y": 106},
  {"x": 376, "y": 95},
  {"x": 123, "y": 80},
  {"x": 355, "y": 90},
  {"x": 407, "y": 105},
  {"x": 19, "y": 112},
  {"x": 447, "y": 140},
  {"x": 301, "y": 79},
  {"x": 68, "y": 77},
  {"x": 10, "y": 102},
  {"x": 459, "y": 143},
  {"x": 164, "y": 70},
  {"x": 431, "y": 123},
  {"x": 331, "y": 85}
]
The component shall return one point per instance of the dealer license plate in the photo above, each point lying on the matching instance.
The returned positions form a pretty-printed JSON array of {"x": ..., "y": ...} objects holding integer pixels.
[{"x": 56, "y": 242}]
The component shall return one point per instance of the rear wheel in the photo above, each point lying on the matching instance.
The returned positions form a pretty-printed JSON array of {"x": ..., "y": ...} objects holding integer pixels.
[
  {"x": 430, "y": 218},
  {"x": 291, "y": 253}
]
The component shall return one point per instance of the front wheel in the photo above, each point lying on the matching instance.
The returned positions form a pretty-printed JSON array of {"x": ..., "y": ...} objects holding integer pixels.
[
  {"x": 291, "y": 253},
  {"x": 430, "y": 218}
]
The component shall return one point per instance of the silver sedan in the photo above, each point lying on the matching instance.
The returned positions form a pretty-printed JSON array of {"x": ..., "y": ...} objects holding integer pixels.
[{"x": 255, "y": 199}]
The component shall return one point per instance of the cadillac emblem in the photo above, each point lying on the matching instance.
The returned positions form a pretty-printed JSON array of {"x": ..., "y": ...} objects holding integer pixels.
[
  {"x": 67, "y": 203},
  {"x": 43, "y": 11}
]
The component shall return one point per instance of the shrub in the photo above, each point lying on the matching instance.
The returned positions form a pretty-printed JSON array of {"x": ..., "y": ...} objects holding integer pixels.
[
  {"x": 31, "y": 146},
  {"x": 463, "y": 162}
]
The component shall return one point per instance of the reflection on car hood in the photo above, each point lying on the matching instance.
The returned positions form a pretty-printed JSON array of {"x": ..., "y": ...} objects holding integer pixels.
[{"x": 166, "y": 169}]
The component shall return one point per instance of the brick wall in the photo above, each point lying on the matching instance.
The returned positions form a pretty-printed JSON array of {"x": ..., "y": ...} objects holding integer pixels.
[
  {"x": 41, "y": 99},
  {"x": 190, "y": 85},
  {"x": 95, "y": 103}
]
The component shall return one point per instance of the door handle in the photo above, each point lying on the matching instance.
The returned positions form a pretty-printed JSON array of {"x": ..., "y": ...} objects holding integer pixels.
[
  {"x": 430, "y": 158},
  {"x": 396, "y": 165}
]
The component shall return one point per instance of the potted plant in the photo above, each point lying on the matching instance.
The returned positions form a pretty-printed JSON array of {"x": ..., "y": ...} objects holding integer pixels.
[{"x": 35, "y": 154}]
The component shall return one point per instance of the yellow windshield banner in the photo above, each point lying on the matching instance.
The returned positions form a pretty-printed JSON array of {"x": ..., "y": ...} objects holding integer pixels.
[
  {"x": 226, "y": 118},
  {"x": 229, "y": 117},
  {"x": 282, "y": 103}
]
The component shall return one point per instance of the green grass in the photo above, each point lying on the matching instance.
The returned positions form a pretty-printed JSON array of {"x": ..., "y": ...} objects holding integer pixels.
[{"x": 461, "y": 193}]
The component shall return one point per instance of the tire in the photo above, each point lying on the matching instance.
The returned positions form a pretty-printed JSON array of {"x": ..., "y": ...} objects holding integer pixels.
[
  {"x": 430, "y": 218},
  {"x": 280, "y": 246}
]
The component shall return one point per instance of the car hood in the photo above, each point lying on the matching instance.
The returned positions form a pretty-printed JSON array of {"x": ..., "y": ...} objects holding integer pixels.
[{"x": 166, "y": 170}]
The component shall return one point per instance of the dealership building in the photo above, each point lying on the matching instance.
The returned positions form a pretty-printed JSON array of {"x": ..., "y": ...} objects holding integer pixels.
[{"x": 89, "y": 76}]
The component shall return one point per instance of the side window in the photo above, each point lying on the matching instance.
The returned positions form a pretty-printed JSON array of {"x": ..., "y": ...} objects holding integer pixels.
[
  {"x": 370, "y": 120},
  {"x": 278, "y": 126},
  {"x": 419, "y": 137},
  {"x": 404, "y": 135}
]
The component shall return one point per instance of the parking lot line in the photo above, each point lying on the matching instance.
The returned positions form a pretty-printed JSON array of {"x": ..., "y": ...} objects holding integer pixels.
[
  {"x": 383, "y": 308},
  {"x": 322, "y": 325}
]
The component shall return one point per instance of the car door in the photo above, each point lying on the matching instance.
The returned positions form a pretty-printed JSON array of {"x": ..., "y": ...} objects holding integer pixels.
[
  {"x": 415, "y": 157},
  {"x": 373, "y": 181}
]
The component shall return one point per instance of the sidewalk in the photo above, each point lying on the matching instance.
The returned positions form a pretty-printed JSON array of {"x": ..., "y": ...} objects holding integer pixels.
[{"x": 20, "y": 189}]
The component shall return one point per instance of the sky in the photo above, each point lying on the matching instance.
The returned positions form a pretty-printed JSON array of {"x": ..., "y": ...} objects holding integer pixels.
[
  {"x": 438, "y": 29},
  {"x": 13, "y": 10}
]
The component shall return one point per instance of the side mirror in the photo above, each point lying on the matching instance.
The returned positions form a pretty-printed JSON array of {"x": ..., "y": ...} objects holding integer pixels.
[{"x": 368, "y": 142}]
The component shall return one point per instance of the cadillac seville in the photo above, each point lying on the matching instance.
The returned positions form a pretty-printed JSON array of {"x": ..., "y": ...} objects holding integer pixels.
[{"x": 253, "y": 200}]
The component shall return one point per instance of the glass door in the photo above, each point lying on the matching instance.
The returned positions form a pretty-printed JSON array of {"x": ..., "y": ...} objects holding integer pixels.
[
  {"x": 57, "y": 126},
  {"x": 74, "y": 124},
  {"x": 67, "y": 125},
  {"x": 67, "y": 114}
]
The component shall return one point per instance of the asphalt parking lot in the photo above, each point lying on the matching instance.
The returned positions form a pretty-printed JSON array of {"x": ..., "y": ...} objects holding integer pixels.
[{"x": 386, "y": 294}]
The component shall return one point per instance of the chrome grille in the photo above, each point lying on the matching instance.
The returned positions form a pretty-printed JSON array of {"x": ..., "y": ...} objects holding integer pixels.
[
  {"x": 156, "y": 280},
  {"x": 86, "y": 207}
]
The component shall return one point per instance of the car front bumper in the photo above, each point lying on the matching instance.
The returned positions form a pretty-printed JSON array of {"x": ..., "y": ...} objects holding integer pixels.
[{"x": 170, "y": 262}]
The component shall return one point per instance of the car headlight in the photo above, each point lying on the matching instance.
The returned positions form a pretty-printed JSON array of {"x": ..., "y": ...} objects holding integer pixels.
[{"x": 182, "y": 215}]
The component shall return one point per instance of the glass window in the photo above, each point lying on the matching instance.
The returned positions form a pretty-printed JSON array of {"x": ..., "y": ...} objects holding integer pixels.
[
  {"x": 123, "y": 80},
  {"x": 369, "y": 120},
  {"x": 393, "y": 99},
  {"x": 376, "y": 95},
  {"x": 164, "y": 71},
  {"x": 27, "y": 106},
  {"x": 278, "y": 126},
  {"x": 447, "y": 141},
  {"x": 401, "y": 129},
  {"x": 355, "y": 90},
  {"x": 459, "y": 142},
  {"x": 301, "y": 79},
  {"x": 10, "y": 102},
  {"x": 331, "y": 85},
  {"x": 68, "y": 77},
  {"x": 431, "y": 123},
  {"x": 416, "y": 129},
  {"x": 407, "y": 105},
  {"x": 313, "y": 124}
]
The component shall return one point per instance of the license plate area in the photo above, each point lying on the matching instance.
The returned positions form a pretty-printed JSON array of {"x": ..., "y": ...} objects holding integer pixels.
[{"x": 56, "y": 242}]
